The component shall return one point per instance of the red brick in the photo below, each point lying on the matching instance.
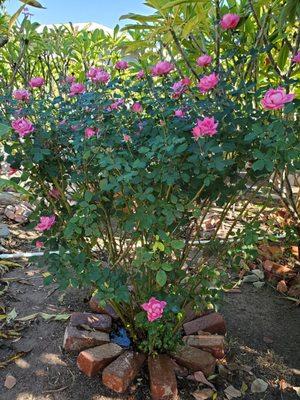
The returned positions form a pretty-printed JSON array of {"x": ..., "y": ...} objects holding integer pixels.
[
  {"x": 77, "y": 340},
  {"x": 214, "y": 344},
  {"x": 120, "y": 373},
  {"x": 95, "y": 306},
  {"x": 163, "y": 382},
  {"x": 91, "y": 361},
  {"x": 195, "y": 359},
  {"x": 100, "y": 322},
  {"x": 213, "y": 323}
]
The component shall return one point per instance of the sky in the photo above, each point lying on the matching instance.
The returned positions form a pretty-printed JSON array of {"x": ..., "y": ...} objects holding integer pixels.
[{"x": 105, "y": 12}]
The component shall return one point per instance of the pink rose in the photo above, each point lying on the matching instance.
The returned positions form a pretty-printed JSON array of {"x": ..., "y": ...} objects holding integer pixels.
[
  {"x": 21, "y": 94},
  {"x": 204, "y": 61},
  {"x": 54, "y": 193},
  {"x": 137, "y": 107},
  {"x": 208, "y": 82},
  {"x": 45, "y": 223},
  {"x": 36, "y": 82},
  {"x": 296, "y": 58},
  {"x": 23, "y": 126},
  {"x": 180, "y": 87},
  {"x": 206, "y": 127},
  {"x": 76, "y": 88},
  {"x": 162, "y": 68},
  {"x": 127, "y": 138},
  {"x": 154, "y": 308},
  {"x": 98, "y": 75},
  {"x": 179, "y": 113},
  {"x": 39, "y": 244},
  {"x": 140, "y": 74},
  {"x": 274, "y": 99},
  {"x": 229, "y": 21},
  {"x": 89, "y": 132},
  {"x": 70, "y": 79},
  {"x": 121, "y": 65},
  {"x": 115, "y": 105}
]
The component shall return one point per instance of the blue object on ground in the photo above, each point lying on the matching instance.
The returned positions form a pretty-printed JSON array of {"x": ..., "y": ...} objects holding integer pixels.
[{"x": 121, "y": 338}]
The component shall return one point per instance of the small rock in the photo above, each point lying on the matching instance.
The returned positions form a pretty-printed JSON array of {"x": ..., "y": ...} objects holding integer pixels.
[
  {"x": 4, "y": 231},
  {"x": 163, "y": 383},
  {"x": 120, "y": 373},
  {"x": 76, "y": 340},
  {"x": 259, "y": 386},
  {"x": 195, "y": 359},
  {"x": 214, "y": 344},
  {"x": 100, "y": 322},
  {"x": 213, "y": 323},
  {"x": 282, "y": 286},
  {"x": 91, "y": 361},
  {"x": 10, "y": 381}
]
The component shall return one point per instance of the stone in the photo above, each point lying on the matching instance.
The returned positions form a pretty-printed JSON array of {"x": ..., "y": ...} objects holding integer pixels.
[
  {"x": 4, "y": 231},
  {"x": 213, "y": 323},
  {"x": 214, "y": 344},
  {"x": 195, "y": 359},
  {"x": 100, "y": 322},
  {"x": 93, "y": 360},
  {"x": 10, "y": 381},
  {"x": 120, "y": 373},
  {"x": 77, "y": 340},
  {"x": 163, "y": 384},
  {"x": 95, "y": 306},
  {"x": 259, "y": 386}
]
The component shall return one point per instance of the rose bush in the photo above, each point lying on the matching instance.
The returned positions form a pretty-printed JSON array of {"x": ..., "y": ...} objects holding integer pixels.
[{"x": 125, "y": 165}]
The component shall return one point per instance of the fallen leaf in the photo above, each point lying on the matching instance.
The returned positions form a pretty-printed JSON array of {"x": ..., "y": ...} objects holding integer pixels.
[
  {"x": 258, "y": 285},
  {"x": 247, "y": 368},
  {"x": 203, "y": 394},
  {"x": 231, "y": 392},
  {"x": 259, "y": 386},
  {"x": 10, "y": 381},
  {"x": 281, "y": 286},
  {"x": 277, "y": 269},
  {"x": 244, "y": 388},
  {"x": 199, "y": 376},
  {"x": 283, "y": 385}
]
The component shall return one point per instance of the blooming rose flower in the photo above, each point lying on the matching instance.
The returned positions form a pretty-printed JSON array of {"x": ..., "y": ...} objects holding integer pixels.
[
  {"x": 39, "y": 244},
  {"x": 154, "y": 308},
  {"x": 127, "y": 138},
  {"x": 137, "y": 107},
  {"x": 89, "y": 132},
  {"x": 70, "y": 79},
  {"x": 45, "y": 223},
  {"x": 180, "y": 87},
  {"x": 229, "y": 21},
  {"x": 121, "y": 65},
  {"x": 23, "y": 126},
  {"x": 204, "y": 61},
  {"x": 162, "y": 68},
  {"x": 296, "y": 58},
  {"x": 274, "y": 99},
  {"x": 206, "y": 127},
  {"x": 36, "y": 82},
  {"x": 140, "y": 74},
  {"x": 54, "y": 193},
  {"x": 98, "y": 75},
  {"x": 12, "y": 171},
  {"x": 21, "y": 94},
  {"x": 179, "y": 113},
  {"x": 208, "y": 82},
  {"x": 76, "y": 88}
]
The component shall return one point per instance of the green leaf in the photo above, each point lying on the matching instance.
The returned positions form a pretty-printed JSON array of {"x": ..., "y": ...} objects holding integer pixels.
[
  {"x": 161, "y": 277},
  {"x": 179, "y": 2},
  {"x": 32, "y": 3},
  {"x": 4, "y": 129},
  {"x": 177, "y": 244}
]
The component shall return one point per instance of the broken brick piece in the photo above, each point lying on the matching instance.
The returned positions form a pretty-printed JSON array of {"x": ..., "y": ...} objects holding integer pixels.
[
  {"x": 77, "y": 340},
  {"x": 100, "y": 322},
  {"x": 163, "y": 382},
  {"x": 195, "y": 359},
  {"x": 121, "y": 372},
  {"x": 95, "y": 306},
  {"x": 214, "y": 344},
  {"x": 213, "y": 323},
  {"x": 91, "y": 361}
]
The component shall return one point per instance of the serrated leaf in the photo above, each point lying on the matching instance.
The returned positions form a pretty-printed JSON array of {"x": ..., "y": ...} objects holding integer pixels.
[{"x": 161, "y": 277}]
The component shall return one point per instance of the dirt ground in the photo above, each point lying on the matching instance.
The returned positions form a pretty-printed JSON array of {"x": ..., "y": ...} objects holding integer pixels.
[{"x": 263, "y": 336}]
